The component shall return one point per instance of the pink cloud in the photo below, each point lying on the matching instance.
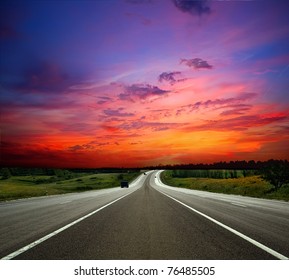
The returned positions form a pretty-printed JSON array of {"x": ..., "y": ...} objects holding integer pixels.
[
  {"x": 235, "y": 103},
  {"x": 242, "y": 123},
  {"x": 237, "y": 109},
  {"x": 117, "y": 113}
]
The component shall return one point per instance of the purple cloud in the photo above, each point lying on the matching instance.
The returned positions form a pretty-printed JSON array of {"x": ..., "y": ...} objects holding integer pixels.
[
  {"x": 139, "y": 1},
  {"x": 93, "y": 145},
  {"x": 224, "y": 102},
  {"x": 261, "y": 72},
  {"x": 197, "y": 63},
  {"x": 117, "y": 113},
  {"x": 103, "y": 100},
  {"x": 235, "y": 105},
  {"x": 142, "y": 19},
  {"x": 8, "y": 32},
  {"x": 237, "y": 109},
  {"x": 194, "y": 7},
  {"x": 76, "y": 148},
  {"x": 239, "y": 123},
  {"x": 155, "y": 126},
  {"x": 44, "y": 76},
  {"x": 13, "y": 15},
  {"x": 142, "y": 92},
  {"x": 169, "y": 77}
]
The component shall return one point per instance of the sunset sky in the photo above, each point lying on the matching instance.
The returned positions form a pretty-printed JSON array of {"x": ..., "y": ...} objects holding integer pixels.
[{"x": 143, "y": 82}]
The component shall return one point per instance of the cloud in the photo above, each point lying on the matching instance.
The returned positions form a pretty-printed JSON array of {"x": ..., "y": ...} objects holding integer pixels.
[
  {"x": 142, "y": 19},
  {"x": 197, "y": 63},
  {"x": 117, "y": 113},
  {"x": 141, "y": 92},
  {"x": 92, "y": 145},
  {"x": 15, "y": 101},
  {"x": 160, "y": 113},
  {"x": 169, "y": 77},
  {"x": 154, "y": 126},
  {"x": 101, "y": 144},
  {"x": 13, "y": 15},
  {"x": 261, "y": 72},
  {"x": 139, "y": 1},
  {"x": 240, "y": 123},
  {"x": 80, "y": 127},
  {"x": 224, "y": 102},
  {"x": 40, "y": 155},
  {"x": 8, "y": 32},
  {"x": 76, "y": 148},
  {"x": 43, "y": 76},
  {"x": 194, "y": 7},
  {"x": 235, "y": 104},
  {"x": 238, "y": 109},
  {"x": 103, "y": 100}
]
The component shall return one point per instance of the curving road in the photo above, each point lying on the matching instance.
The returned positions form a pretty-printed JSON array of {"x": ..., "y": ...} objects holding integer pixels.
[{"x": 147, "y": 221}]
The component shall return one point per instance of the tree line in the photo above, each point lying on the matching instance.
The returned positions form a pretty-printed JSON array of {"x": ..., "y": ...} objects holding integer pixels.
[
  {"x": 213, "y": 173},
  {"x": 274, "y": 171},
  {"x": 231, "y": 165}
]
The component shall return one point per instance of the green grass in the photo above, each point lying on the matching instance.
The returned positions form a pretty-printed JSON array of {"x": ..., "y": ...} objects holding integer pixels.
[
  {"x": 29, "y": 186},
  {"x": 252, "y": 186}
]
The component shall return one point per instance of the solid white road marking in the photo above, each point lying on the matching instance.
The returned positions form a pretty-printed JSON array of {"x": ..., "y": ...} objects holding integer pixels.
[
  {"x": 254, "y": 242},
  {"x": 33, "y": 244}
]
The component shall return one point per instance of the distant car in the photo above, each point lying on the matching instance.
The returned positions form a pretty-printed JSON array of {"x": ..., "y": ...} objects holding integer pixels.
[
  {"x": 124, "y": 184},
  {"x": 144, "y": 173}
]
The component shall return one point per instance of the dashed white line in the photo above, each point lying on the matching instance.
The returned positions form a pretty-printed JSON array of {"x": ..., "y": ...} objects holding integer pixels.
[
  {"x": 66, "y": 202},
  {"x": 238, "y": 204}
]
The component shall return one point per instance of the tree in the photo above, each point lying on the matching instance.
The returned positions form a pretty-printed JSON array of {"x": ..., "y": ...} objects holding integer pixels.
[
  {"x": 276, "y": 172},
  {"x": 5, "y": 172}
]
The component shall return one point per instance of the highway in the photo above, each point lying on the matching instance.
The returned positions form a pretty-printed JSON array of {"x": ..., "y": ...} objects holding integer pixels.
[{"x": 149, "y": 220}]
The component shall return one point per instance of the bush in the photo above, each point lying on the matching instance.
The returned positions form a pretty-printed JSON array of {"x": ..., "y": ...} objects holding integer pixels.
[
  {"x": 5, "y": 172},
  {"x": 276, "y": 172}
]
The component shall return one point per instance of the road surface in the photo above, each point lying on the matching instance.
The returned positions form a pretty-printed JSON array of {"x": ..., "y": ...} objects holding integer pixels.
[{"x": 149, "y": 220}]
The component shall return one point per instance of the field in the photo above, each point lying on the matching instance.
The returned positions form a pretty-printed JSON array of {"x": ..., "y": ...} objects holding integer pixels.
[
  {"x": 17, "y": 187},
  {"x": 29, "y": 183},
  {"x": 253, "y": 186}
]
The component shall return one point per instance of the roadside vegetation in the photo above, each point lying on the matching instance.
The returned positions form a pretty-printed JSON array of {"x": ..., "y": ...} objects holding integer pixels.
[
  {"x": 270, "y": 182},
  {"x": 18, "y": 183}
]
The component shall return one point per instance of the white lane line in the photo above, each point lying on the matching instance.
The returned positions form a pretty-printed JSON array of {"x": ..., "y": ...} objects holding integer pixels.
[
  {"x": 66, "y": 202},
  {"x": 254, "y": 242},
  {"x": 238, "y": 204},
  {"x": 33, "y": 244}
]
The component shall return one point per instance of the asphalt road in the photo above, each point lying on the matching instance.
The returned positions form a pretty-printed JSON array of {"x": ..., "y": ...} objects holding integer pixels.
[{"x": 148, "y": 221}]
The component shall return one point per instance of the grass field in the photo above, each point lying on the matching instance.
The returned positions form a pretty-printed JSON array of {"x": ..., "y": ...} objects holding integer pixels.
[
  {"x": 248, "y": 186},
  {"x": 28, "y": 186}
]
